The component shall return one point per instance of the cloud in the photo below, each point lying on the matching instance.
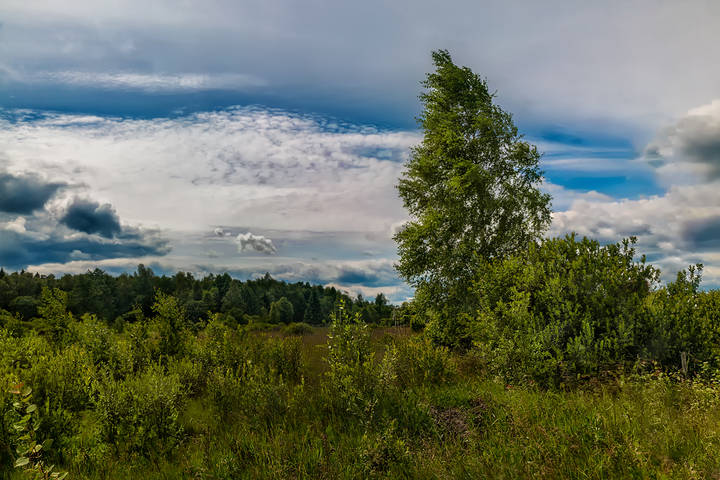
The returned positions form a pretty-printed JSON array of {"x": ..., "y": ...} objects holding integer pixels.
[
  {"x": 678, "y": 227},
  {"x": 220, "y": 232},
  {"x": 702, "y": 234},
  {"x": 688, "y": 150},
  {"x": 90, "y": 217},
  {"x": 25, "y": 193},
  {"x": 19, "y": 250},
  {"x": 182, "y": 82},
  {"x": 249, "y": 242},
  {"x": 675, "y": 229},
  {"x": 17, "y": 225},
  {"x": 320, "y": 52},
  {"x": 241, "y": 166}
]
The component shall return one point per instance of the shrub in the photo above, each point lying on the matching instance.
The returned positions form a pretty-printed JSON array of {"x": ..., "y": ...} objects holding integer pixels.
[
  {"x": 355, "y": 381},
  {"x": 420, "y": 362},
  {"x": 170, "y": 322},
  {"x": 282, "y": 356},
  {"x": 281, "y": 311},
  {"x": 299, "y": 328},
  {"x": 256, "y": 393},
  {"x": 684, "y": 322},
  {"x": 384, "y": 452},
  {"x": 93, "y": 335},
  {"x": 65, "y": 379},
  {"x": 141, "y": 414},
  {"x": 563, "y": 308}
]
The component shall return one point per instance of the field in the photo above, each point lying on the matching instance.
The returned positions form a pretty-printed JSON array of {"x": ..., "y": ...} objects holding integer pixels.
[{"x": 366, "y": 403}]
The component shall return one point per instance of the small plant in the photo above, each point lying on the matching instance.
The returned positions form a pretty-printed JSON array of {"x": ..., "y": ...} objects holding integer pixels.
[
  {"x": 31, "y": 451},
  {"x": 352, "y": 378},
  {"x": 300, "y": 328}
]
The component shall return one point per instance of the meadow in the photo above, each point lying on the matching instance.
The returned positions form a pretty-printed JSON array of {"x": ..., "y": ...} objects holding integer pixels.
[{"x": 349, "y": 400}]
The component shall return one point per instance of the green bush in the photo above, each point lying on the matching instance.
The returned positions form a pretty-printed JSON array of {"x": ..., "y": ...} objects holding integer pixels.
[
  {"x": 564, "y": 308},
  {"x": 420, "y": 362},
  {"x": 281, "y": 311},
  {"x": 252, "y": 391},
  {"x": 298, "y": 328},
  {"x": 684, "y": 322},
  {"x": 94, "y": 336},
  {"x": 355, "y": 381},
  {"x": 141, "y": 414},
  {"x": 64, "y": 379}
]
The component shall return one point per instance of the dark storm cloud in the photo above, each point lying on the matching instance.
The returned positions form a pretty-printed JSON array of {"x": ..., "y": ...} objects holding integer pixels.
[
  {"x": 692, "y": 140},
  {"x": 25, "y": 193},
  {"x": 370, "y": 273},
  {"x": 18, "y": 250},
  {"x": 703, "y": 234},
  {"x": 91, "y": 217}
]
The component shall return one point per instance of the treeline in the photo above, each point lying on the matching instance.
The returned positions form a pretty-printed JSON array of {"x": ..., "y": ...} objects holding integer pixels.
[{"x": 126, "y": 297}]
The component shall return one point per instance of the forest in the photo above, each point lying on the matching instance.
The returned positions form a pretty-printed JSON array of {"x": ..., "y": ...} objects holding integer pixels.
[{"x": 520, "y": 355}]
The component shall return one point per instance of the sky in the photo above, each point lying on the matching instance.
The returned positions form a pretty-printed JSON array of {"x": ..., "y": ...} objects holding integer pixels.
[{"x": 255, "y": 136}]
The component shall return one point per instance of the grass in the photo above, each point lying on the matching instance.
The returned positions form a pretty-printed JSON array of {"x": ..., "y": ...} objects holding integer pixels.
[{"x": 470, "y": 427}]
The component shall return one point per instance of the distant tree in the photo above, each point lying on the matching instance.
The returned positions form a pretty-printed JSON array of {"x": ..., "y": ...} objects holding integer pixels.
[
  {"x": 313, "y": 311},
  {"x": 253, "y": 304},
  {"x": 233, "y": 302},
  {"x": 281, "y": 311},
  {"x": 471, "y": 188}
]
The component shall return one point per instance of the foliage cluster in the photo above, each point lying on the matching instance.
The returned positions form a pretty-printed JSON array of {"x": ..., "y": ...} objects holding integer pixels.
[
  {"x": 569, "y": 309},
  {"x": 121, "y": 299}
]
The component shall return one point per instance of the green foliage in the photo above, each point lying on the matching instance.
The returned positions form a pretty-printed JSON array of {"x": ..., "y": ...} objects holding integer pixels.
[
  {"x": 30, "y": 449},
  {"x": 355, "y": 380},
  {"x": 170, "y": 322},
  {"x": 257, "y": 394},
  {"x": 470, "y": 188},
  {"x": 64, "y": 378},
  {"x": 420, "y": 362},
  {"x": 384, "y": 452},
  {"x": 53, "y": 311},
  {"x": 141, "y": 414},
  {"x": 301, "y": 328},
  {"x": 281, "y": 311},
  {"x": 313, "y": 312},
  {"x": 563, "y": 308},
  {"x": 282, "y": 356},
  {"x": 684, "y": 322}
]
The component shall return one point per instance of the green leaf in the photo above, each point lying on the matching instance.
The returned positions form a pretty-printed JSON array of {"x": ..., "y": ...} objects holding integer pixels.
[
  {"x": 31, "y": 408},
  {"x": 21, "y": 462}
]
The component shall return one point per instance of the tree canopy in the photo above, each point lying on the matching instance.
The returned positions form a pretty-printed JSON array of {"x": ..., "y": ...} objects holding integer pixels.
[{"x": 471, "y": 188}]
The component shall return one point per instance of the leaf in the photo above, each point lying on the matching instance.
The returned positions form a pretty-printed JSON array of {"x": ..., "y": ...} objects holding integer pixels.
[
  {"x": 31, "y": 408},
  {"x": 21, "y": 462}
]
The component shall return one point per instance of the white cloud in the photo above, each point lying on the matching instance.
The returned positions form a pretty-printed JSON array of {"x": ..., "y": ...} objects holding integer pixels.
[
  {"x": 245, "y": 166},
  {"x": 677, "y": 228},
  {"x": 145, "y": 81},
  {"x": 596, "y": 61},
  {"x": 17, "y": 225},
  {"x": 689, "y": 150},
  {"x": 249, "y": 242}
]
